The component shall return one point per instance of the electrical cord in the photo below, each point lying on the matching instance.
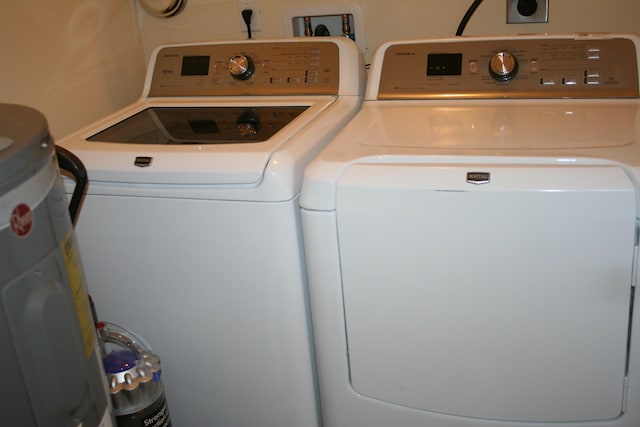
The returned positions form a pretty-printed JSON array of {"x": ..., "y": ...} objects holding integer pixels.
[
  {"x": 246, "y": 16},
  {"x": 467, "y": 16}
]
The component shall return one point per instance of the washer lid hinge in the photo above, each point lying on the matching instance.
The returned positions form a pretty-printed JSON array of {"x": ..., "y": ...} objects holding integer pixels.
[
  {"x": 625, "y": 393},
  {"x": 634, "y": 270}
]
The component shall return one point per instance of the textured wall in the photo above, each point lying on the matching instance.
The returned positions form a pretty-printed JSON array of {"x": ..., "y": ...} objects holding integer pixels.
[{"x": 74, "y": 60}]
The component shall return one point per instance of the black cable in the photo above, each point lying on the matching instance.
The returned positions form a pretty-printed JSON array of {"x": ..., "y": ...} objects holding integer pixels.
[
  {"x": 467, "y": 16},
  {"x": 246, "y": 16},
  {"x": 71, "y": 163}
]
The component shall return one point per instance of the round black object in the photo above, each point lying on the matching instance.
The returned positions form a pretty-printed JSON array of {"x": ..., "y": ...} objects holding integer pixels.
[
  {"x": 527, "y": 7},
  {"x": 321, "y": 30}
]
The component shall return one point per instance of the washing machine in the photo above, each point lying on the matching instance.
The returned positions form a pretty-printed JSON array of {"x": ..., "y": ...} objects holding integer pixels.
[
  {"x": 190, "y": 231},
  {"x": 472, "y": 236}
]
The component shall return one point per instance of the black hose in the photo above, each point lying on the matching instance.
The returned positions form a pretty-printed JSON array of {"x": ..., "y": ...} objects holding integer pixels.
[
  {"x": 467, "y": 16},
  {"x": 72, "y": 164}
]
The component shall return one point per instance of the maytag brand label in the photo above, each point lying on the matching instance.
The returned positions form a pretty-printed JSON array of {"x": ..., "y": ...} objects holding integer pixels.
[
  {"x": 478, "y": 177},
  {"x": 143, "y": 161}
]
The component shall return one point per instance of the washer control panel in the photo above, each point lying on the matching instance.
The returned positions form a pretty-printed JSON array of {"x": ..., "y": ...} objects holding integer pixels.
[
  {"x": 240, "y": 69},
  {"x": 519, "y": 67}
]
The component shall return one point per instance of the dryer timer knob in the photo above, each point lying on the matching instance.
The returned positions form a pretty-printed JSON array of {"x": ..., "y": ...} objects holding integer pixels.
[
  {"x": 503, "y": 66},
  {"x": 241, "y": 67}
]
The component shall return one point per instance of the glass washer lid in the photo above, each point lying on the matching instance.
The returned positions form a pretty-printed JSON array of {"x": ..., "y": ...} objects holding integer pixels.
[{"x": 200, "y": 125}]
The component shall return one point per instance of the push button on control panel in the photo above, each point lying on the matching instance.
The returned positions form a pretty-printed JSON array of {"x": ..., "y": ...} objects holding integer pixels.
[
  {"x": 591, "y": 77},
  {"x": 593, "y": 53}
]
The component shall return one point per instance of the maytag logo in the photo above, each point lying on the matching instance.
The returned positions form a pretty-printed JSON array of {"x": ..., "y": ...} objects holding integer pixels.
[
  {"x": 478, "y": 177},
  {"x": 143, "y": 161}
]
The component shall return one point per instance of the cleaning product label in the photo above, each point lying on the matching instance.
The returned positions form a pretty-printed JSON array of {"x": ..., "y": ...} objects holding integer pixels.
[
  {"x": 79, "y": 292},
  {"x": 154, "y": 415}
]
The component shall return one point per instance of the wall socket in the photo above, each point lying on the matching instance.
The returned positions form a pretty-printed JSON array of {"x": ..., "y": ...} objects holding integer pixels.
[
  {"x": 256, "y": 17},
  {"x": 541, "y": 14}
]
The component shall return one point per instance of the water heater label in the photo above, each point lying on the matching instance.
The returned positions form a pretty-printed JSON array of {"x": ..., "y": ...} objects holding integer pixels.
[
  {"x": 79, "y": 291},
  {"x": 22, "y": 220}
]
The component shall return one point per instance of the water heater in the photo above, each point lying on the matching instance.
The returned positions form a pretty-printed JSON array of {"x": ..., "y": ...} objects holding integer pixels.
[{"x": 51, "y": 370}]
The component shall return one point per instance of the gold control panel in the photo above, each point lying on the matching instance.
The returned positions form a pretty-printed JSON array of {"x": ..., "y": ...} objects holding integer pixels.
[
  {"x": 241, "y": 69},
  {"x": 516, "y": 67}
]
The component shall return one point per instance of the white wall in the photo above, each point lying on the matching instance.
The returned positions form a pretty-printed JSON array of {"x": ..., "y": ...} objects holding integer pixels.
[
  {"x": 393, "y": 19},
  {"x": 74, "y": 60}
]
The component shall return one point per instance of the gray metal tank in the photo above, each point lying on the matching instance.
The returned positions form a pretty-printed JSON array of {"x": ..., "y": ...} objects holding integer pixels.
[{"x": 51, "y": 370}]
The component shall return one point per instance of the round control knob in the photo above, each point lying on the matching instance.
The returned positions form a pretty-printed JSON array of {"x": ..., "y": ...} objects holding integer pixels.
[
  {"x": 503, "y": 66},
  {"x": 248, "y": 124},
  {"x": 247, "y": 129},
  {"x": 241, "y": 67}
]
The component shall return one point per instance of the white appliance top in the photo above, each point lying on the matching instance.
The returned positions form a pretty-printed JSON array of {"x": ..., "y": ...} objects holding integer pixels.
[
  {"x": 227, "y": 114},
  {"x": 554, "y": 100}
]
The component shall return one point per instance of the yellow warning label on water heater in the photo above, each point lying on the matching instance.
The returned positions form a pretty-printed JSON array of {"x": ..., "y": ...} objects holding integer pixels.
[{"x": 79, "y": 291}]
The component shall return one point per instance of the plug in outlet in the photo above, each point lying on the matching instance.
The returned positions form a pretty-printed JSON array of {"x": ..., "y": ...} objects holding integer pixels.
[
  {"x": 256, "y": 17},
  {"x": 527, "y": 11}
]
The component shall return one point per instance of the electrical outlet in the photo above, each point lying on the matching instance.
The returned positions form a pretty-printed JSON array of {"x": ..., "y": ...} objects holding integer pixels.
[
  {"x": 256, "y": 17},
  {"x": 541, "y": 14}
]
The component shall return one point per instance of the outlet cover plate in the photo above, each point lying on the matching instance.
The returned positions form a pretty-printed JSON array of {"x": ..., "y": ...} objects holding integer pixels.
[{"x": 541, "y": 14}]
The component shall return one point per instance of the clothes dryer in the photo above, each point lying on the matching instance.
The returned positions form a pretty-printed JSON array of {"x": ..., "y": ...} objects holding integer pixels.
[
  {"x": 472, "y": 237},
  {"x": 190, "y": 229}
]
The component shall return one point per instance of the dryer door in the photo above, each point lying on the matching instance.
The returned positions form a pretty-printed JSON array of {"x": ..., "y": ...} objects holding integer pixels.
[{"x": 506, "y": 301}]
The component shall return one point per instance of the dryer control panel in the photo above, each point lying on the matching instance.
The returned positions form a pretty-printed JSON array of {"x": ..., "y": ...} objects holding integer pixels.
[
  {"x": 518, "y": 67},
  {"x": 247, "y": 69}
]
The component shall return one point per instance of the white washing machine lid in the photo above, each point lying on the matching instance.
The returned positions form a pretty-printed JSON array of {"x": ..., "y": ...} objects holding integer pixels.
[
  {"x": 170, "y": 162},
  {"x": 557, "y": 132}
]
